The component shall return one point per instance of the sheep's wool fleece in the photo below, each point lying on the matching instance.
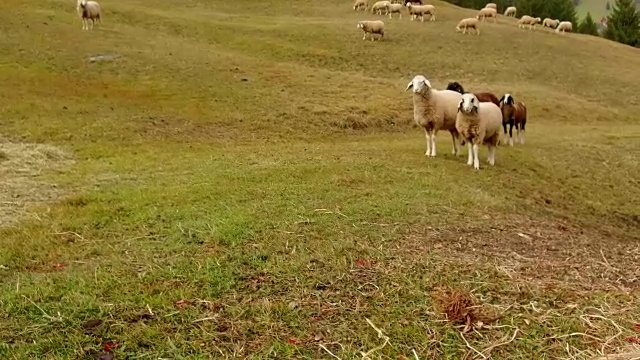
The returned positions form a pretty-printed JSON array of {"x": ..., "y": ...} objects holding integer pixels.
[
  {"x": 469, "y": 125},
  {"x": 436, "y": 108}
]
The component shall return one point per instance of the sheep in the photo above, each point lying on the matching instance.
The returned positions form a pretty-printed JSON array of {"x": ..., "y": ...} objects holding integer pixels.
[
  {"x": 89, "y": 10},
  {"x": 420, "y": 10},
  {"x": 379, "y": 6},
  {"x": 359, "y": 4},
  {"x": 371, "y": 27},
  {"x": 564, "y": 26},
  {"x": 510, "y": 11},
  {"x": 482, "y": 96},
  {"x": 550, "y": 23},
  {"x": 434, "y": 110},
  {"x": 515, "y": 114},
  {"x": 487, "y": 12},
  {"x": 478, "y": 123},
  {"x": 492, "y": 6},
  {"x": 394, "y": 8},
  {"x": 418, "y": 2},
  {"x": 528, "y": 20},
  {"x": 468, "y": 23}
]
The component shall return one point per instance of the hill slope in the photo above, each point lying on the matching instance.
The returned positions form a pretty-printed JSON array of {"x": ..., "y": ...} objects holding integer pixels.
[{"x": 246, "y": 181}]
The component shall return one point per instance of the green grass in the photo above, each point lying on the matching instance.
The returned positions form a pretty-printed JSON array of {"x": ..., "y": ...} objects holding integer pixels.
[{"x": 246, "y": 181}]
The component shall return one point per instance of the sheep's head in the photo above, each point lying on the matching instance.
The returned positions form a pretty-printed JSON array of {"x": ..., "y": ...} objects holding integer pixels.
[
  {"x": 83, "y": 3},
  {"x": 419, "y": 84},
  {"x": 538, "y": 20},
  {"x": 455, "y": 86},
  {"x": 468, "y": 103},
  {"x": 360, "y": 24}
]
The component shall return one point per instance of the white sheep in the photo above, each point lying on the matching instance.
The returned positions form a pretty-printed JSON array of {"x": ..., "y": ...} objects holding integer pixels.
[
  {"x": 421, "y": 10},
  {"x": 379, "y": 6},
  {"x": 89, "y": 10},
  {"x": 528, "y": 20},
  {"x": 434, "y": 110},
  {"x": 360, "y": 4},
  {"x": 371, "y": 27},
  {"x": 468, "y": 23},
  {"x": 492, "y": 6},
  {"x": 564, "y": 26},
  {"x": 510, "y": 11},
  {"x": 487, "y": 12},
  {"x": 550, "y": 23},
  {"x": 394, "y": 8},
  {"x": 478, "y": 123}
]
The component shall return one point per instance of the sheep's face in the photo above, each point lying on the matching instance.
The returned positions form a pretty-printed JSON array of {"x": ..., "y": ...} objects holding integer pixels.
[
  {"x": 468, "y": 103},
  {"x": 360, "y": 25},
  {"x": 419, "y": 84}
]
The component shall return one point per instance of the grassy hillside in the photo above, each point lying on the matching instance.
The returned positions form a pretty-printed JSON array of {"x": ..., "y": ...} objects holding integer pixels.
[{"x": 244, "y": 180}]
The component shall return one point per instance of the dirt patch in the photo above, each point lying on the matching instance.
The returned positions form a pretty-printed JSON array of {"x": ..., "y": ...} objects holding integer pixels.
[{"x": 22, "y": 183}]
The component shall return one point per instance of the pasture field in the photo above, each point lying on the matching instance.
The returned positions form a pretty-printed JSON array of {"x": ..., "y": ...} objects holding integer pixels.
[{"x": 244, "y": 180}]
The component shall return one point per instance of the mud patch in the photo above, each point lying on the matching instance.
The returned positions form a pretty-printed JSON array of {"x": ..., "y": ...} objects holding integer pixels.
[{"x": 23, "y": 184}]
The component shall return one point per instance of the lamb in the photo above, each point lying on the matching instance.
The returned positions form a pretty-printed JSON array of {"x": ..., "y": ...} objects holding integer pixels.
[
  {"x": 420, "y": 10},
  {"x": 478, "y": 123},
  {"x": 379, "y": 6},
  {"x": 482, "y": 96},
  {"x": 528, "y": 20},
  {"x": 468, "y": 23},
  {"x": 360, "y": 4},
  {"x": 515, "y": 114},
  {"x": 371, "y": 27},
  {"x": 434, "y": 110},
  {"x": 394, "y": 8},
  {"x": 492, "y": 6},
  {"x": 510, "y": 11},
  {"x": 550, "y": 23},
  {"x": 89, "y": 10},
  {"x": 487, "y": 12},
  {"x": 564, "y": 26}
]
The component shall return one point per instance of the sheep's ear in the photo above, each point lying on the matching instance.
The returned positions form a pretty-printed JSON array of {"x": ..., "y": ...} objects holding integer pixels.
[
  {"x": 501, "y": 100},
  {"x": 409, "y": 86}
]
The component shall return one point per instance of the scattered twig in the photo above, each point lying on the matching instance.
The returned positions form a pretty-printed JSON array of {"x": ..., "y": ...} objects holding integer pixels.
[
  {"x": 204, "y": 319},
  {"x": 488, "y": 350},
  {"x": 415, "y": 354},
  {"x": 380, "y": 335},
  {"x": 44, "y": 313},
  {"x": 471, "y": 347},
  {"x": 327, "y": 350}
]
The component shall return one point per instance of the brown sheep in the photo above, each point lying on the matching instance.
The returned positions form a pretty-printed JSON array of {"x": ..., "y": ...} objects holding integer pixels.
[{"x": 515, "y": 114}]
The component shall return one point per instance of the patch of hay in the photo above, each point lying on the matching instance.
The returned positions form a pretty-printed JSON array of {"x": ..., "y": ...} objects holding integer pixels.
[
  {"x": 22, "y": 167},
  {"x": 460, "y": 307}
]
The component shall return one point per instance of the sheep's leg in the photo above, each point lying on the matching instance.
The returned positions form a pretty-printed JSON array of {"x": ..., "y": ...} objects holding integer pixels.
[
  {"x": 492, "y": 154},
  {"x": 433, "y": 143},
  {"x": 511, "y": 132},
  {"x": 518, "y": 126},
  {"x": 93, "y": 22},
  {"x": 364, "y": 37},
  {"x": 470, "y": 156},
  {"x": 524, "y": 121},
  {"x": 428, "y": 137},
  {"x": 476, "y": 162},
  {"x": 455, "y": 150}
]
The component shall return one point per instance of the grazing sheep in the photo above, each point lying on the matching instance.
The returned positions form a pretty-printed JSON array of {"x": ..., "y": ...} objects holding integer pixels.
[
  {"x": 468, "y": 23},
  {"x": 434, "y": 110},
  {"x": 510, "y": 11},
  {"x": 421, "y": 10},
  {"x": 528, "y": 20},
  {"x": 487, "y": 12},
  {"x": 372, "y": 27},
  {"x": 482, "y": 96},
  {"x": 478, "y": 123},
  {"x": 360, "y": 4},
  {"x": 394, "y": 8},
  {"x": 550, "y": 23},
  {"x": 492, "y": 6},
  {"x": 89, "y": 10},
  {"x": 515, "y": 114},
  {"x": 564, "y": 26},
  {"x": 379, "y": 6}
]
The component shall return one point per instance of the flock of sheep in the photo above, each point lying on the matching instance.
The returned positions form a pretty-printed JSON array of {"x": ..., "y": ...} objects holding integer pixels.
[
  {"x": 416, "y": 9},
  {"x": 474, "y": 118}
]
